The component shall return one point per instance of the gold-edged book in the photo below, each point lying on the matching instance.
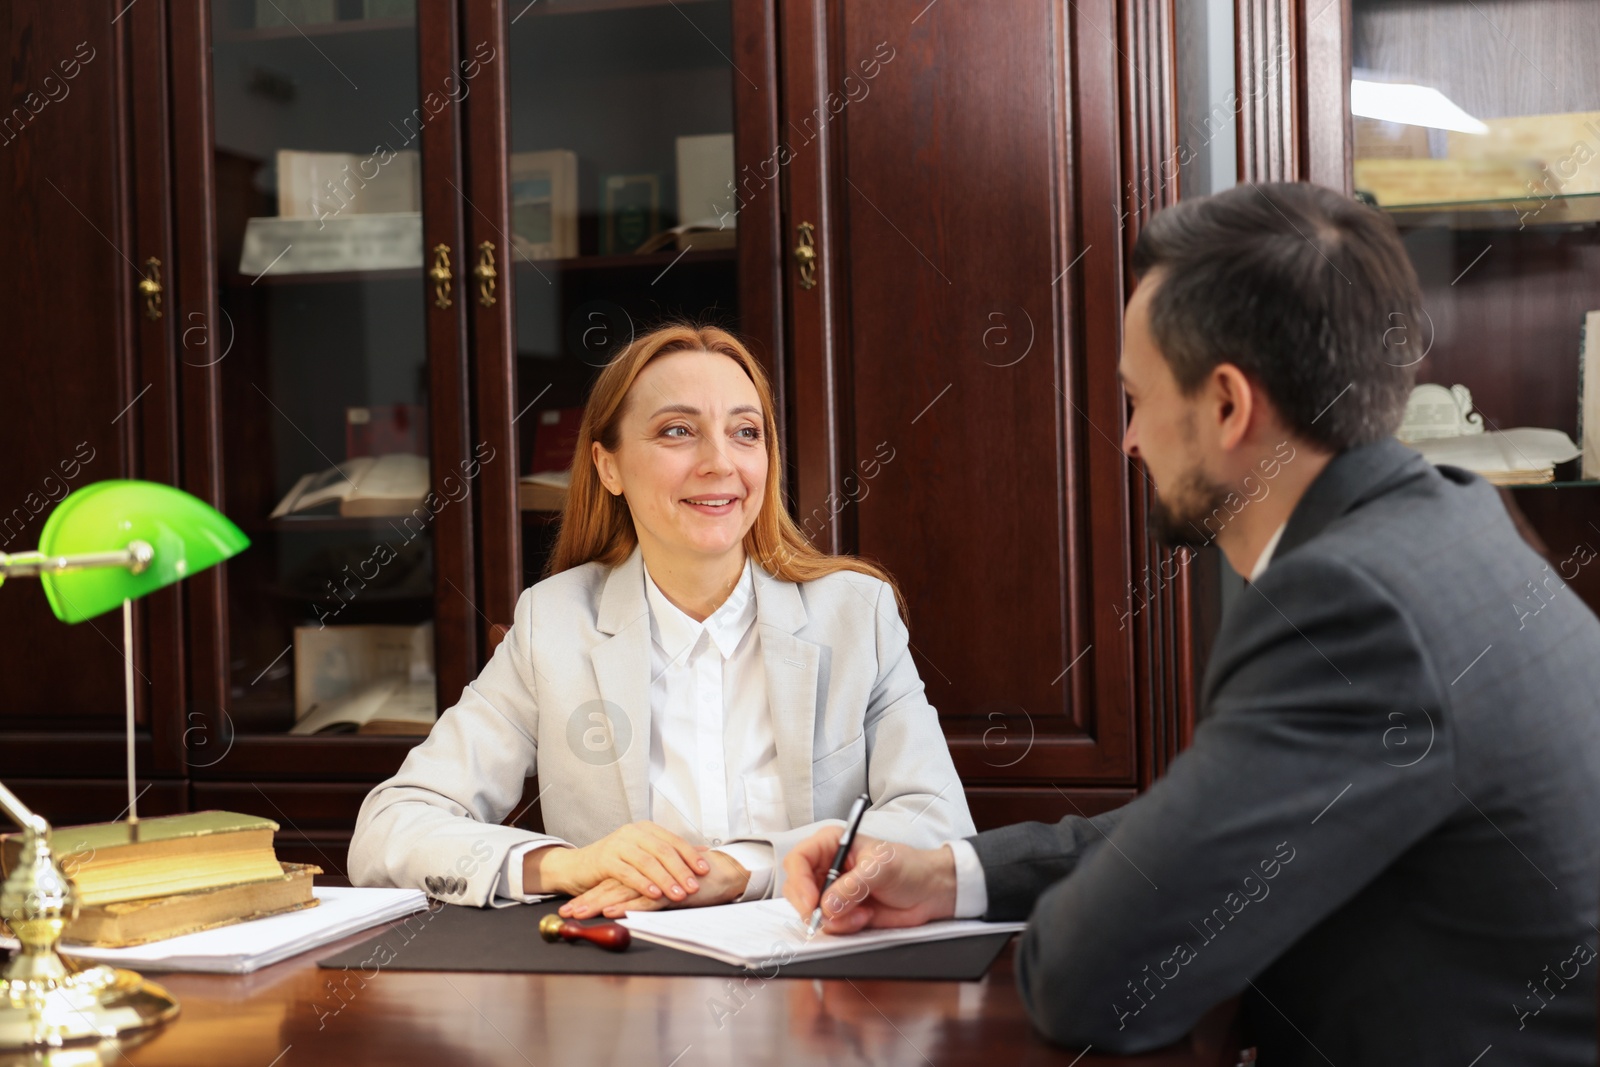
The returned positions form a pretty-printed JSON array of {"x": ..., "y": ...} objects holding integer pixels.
[
  {"x": 135, "y": 922},
  {"x": 172, "y": 854}
]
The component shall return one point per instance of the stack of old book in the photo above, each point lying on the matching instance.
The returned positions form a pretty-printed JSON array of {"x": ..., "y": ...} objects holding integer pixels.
[{"x": 176, "y": 875}]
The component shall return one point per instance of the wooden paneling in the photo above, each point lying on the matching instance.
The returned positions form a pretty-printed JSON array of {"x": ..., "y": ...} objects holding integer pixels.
[
  {"x": 279, "y": 757},
  {"x": 992, "y": 807},
  {"x": 202, "y": 341},
  {"x": 457, "y": 618},
  {"x": 802, "y": 163},
  {"x": 1269, "y": 115},
  {"x": 76, "y": 801},
  {"x": 1323, "y": 59},
  {"x": 156, "y": 413},
  {"x": 486, "y": 133},
  {"x": 761, "y": 241},
  {"x": 66, "y": 304},
  {"x": 982, "y": 224}
]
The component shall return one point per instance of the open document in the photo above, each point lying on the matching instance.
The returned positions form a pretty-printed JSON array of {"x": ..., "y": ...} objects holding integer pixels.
[
  {"x": 760, "y": 933},
  {"x": 248, "y": 946}
]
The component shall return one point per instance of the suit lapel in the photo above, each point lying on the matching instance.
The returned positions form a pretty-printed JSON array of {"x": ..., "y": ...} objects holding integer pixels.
[
  {"x": 1349, "y": 479},
  {"x": 791, "y": 667},
  {"x": 622, "y": 675}
]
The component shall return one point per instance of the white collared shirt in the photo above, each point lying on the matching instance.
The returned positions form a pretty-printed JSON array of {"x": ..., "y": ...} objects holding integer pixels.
[
  {"x": 714, "y": 774},
  {"x": 972, "y": 890},
  {"x": 713, "y": 752},
  {"x": 1266, "y": 553}
]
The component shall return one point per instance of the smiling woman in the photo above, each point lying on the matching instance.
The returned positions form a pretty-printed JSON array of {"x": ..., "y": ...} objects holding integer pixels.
[
  {"x": 696, "y": 388},
  {"x": 695, "y": 686}
]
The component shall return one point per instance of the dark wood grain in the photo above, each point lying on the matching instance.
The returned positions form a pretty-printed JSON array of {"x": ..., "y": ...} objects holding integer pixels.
[
  {"x": 487, "y": 135},
  {"x": 157, "y": 411},
  {"x": 807, "y": 140},
  {"x": 1269, "y": 112},
  {"x": 201, "y": 344},
  {"x": 457, "y": 618},
  {"x": 384, "y": 1015},
  {"x": 760, "y": 249},
  {"x": 65, "y": 303},
  {"x": 965, "y": 203}
]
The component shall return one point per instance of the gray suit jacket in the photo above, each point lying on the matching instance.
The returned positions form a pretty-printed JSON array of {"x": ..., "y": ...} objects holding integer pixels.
[
  {"x": 567, "y": 694},
  {"x": 1384, "y": 835}
]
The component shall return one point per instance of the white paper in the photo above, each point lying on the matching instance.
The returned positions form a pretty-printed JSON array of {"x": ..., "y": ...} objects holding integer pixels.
[
  {"x": 248, "y": 946},
  {"x": 1525, "y": 449},
  {"x": 762, "y": 933}
]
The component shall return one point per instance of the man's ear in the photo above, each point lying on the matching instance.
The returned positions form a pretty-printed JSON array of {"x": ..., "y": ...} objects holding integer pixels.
[
  {"x": 605, "y": 465},
  {"x": 1236, "y": 408}
]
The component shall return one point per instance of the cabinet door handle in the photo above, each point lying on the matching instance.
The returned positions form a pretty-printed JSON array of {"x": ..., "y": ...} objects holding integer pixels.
[
  {"x": 440, "y": 273},
  {"x": 485, "y": 273},
  {"x": 805, "y": 255},
  {"x": 150, "y": 288}
]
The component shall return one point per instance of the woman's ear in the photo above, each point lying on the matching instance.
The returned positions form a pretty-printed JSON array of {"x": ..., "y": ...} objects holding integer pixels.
[{"x": 605, "y": 465}]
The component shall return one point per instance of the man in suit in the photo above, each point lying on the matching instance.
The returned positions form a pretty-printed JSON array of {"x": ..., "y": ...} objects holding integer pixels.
[{"x": 1384, "y": 836}]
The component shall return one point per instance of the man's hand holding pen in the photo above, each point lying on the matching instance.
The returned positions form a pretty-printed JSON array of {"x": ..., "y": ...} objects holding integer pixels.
[{"x": 883, "y": 884}]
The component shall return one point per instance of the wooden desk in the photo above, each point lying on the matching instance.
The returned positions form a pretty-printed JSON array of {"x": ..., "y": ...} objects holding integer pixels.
[{"x": 290, "y": 1016}]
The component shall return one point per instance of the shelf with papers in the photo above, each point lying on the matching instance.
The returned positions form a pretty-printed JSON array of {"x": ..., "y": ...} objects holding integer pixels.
[{"x": 1515, "y": 213}]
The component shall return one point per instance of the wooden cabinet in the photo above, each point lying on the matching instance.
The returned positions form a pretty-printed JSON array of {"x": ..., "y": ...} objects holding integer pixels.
[{"x": 968, "y": 186}]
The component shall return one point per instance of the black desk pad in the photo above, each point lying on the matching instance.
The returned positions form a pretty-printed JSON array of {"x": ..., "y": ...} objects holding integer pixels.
[{"x": 454, "y": 938}]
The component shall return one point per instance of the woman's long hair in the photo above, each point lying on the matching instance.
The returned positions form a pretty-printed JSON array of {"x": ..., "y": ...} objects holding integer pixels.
[{"x": 596, "y": 526}]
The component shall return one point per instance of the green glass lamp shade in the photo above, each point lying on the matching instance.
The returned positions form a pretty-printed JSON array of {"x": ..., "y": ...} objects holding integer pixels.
[{"x": 188, "y": 536}]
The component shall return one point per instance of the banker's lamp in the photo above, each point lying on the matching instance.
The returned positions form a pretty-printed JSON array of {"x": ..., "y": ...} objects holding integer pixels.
[{"x": 103, "y": 547}]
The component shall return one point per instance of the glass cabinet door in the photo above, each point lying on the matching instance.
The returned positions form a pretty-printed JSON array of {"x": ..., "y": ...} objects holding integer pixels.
[
  {"x": 622, "y": 208},
  {"x": 325, "y": 370},
  {"x": 1476, "y": 127}
]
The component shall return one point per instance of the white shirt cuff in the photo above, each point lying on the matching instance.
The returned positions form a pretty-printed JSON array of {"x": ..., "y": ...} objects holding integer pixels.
[
  {"x": 972, "y": 890},
  {"x": 511, "y": 872},
  {"x": 757, "y": 858}
]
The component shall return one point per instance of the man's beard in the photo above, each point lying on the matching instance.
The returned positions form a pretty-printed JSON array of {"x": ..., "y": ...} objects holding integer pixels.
[{"x": 1179, "y": 521}]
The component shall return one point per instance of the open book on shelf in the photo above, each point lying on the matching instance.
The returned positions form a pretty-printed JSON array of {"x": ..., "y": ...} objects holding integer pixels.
[
  {"x": 394, "y": 484},
  {"x": 545, "y": 491},
  {"x": 390, "y": 707}
]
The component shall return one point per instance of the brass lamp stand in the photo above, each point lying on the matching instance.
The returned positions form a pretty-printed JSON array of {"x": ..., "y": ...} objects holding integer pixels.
[
  {"x": 48, "y": 1001},
  {"x": 105, "y": 545}
]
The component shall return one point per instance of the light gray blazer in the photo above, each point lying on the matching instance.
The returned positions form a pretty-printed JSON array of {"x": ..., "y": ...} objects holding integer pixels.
[{"x": 567, "y": 694}]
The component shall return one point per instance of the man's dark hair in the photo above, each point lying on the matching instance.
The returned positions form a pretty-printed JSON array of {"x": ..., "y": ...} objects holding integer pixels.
[{"x": 1309, "y": 292}]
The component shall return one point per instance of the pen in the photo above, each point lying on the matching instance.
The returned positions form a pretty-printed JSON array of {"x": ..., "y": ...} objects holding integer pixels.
[{"x": 858, "y": 809}]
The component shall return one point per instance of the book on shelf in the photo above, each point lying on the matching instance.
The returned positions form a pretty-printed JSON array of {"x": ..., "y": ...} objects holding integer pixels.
[
  {"x": 545, "y": 491},
  {"x": 172, "y": 854},
  {"x": 136, "y": 922},
  {"x": 1439, "y": 422},
  {"x": 555, "y": 438},
  {"x": 630, "y": 211},
  {"x": 378, "y": 429},
  {"x": 327, "y": 185},
  {"x": 334, "y": 663},
  {"x": 1525, "y": 455},
  {"x": 346, "y": 242},
  {"x": 544, "y": 204},
  {"x": 369, "y": 486},
  {"x": 388, "y": 707},
  {"x": 1550, "y": 141},
  {"x": 706, "y": 234},
  {"x": 1589, "y": 395},
  {"x": 707, "y": 211}
]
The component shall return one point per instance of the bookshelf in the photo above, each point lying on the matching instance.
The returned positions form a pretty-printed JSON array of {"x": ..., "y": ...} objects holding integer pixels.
[{"x": 1507, "y": 248}]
